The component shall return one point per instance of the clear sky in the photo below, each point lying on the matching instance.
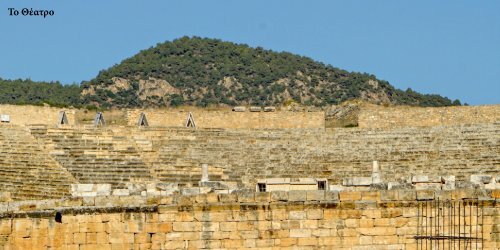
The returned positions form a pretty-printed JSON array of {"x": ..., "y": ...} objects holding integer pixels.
[{"x": 447, "y": 47}]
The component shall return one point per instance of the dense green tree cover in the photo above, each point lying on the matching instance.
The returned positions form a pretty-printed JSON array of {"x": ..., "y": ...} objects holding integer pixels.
[
  {"x": 37, "y": 93},
  {"x": 198, "y": 66},
  {"x": 200, "y": 71}
]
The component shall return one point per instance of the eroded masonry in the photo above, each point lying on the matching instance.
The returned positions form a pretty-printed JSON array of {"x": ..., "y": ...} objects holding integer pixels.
[{"x": 250, "y": 177}]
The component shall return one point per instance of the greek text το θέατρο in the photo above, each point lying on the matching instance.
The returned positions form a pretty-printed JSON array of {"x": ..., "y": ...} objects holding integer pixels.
[{"x": 30, "y": 12}]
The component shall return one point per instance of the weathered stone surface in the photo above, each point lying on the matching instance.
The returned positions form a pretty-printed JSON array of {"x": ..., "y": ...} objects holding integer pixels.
[
  {"x": 269, "y": 109},
  {"x": 357, "y": 181},
  {"x": 425, "y": 195},
  {"x": 255, "y": 109},
  {"x": 122, "y": 221},
  {"x": 279, "y": 196},
  {"x": 315, "y": 195},
  {"x": 480, "y": 179},
  {"x": 54, "y": 157},
  {"x": 427, "y": 186},
  {"x": 331, "y": 195},
  {"x": 121, "y": 192},
  {"x": 103, "y": 189},
  {"x": 239, "y": 109},
  {"x": 297, "y": 195}
]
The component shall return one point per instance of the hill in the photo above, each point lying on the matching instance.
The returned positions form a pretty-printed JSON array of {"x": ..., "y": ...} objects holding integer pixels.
[
  {"x": 201, "y": 71},
  {"x": 37, "y": 93}
]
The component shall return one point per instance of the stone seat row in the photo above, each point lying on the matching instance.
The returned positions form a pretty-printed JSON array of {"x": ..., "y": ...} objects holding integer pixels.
[{"x": 235, "y": 150}]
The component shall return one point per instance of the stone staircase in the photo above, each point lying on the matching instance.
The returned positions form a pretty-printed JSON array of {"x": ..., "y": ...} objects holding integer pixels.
[
  {"x": 95, "y": 155},
  {"x": 26, "y": 170}
]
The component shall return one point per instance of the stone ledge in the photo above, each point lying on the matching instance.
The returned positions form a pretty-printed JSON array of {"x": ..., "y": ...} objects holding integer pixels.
[{"x": 344, "y": 199}]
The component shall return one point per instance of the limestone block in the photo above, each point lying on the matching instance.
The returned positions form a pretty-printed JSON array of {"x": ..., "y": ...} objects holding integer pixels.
[
  {"x": 449, "y": 182},
  {"x": 407, "y": 195},
  {"x": 425, "y": 178},
  {"x": 480, "y": 179},
  {"x": 4, "y": 118},
  {"x": 300, "y": 233},
  {"x": 419, "y": 178},
  {"x": 323, "y": 232},
  {"x": 443, "y": 194},
  {"x": 151, "y": 193},
  {"x": 4, "y": 207},
  {"x": 495, "y": 194},
  {"x": 492, "y": 185},
  {"x": 167, "y": 186},
  {"x": 378, "y": 186},
  {"x": 121, "y": 192},
  {"x": 297, "y": 195},
  {"x": 203, "y": 190},
  {"x": 297, "y": 215},
  {"x": 228, "y": 198},
  {"x": 87, "y": 194},
  {"x": 79, "y": 238},
  {"x": 103, "y": 189},
  {"x": 388, "y": 195},
  {"x": 314, "y": 214},
  {"x": 311, "y": 241},
  {"x": 246, "y": 196},
  {"x": 398, "y": 185},
  {"x": 5, "y": 197},
  {"x": 228, "y": 226},
  {"x": 175, "y": 244},
  {"x": 136, "y": 188},
  {"x": 263, "y": 197},
  {"x": 350, "y": 195},
  {"x": 255, "y": 109},
  {"x": 151, "y": 187},
  {"x": 448, "y": 178},
  {"x": 425, "y": 195},
  {"x": 269, "y": 109},
  {"x": 213, "y": 184},
  {"x": 427, "y": 186},
  {"x": 279, "y": 196},
  {"x": 184, "y": 200},
  {"x": 82, "y": 187},
  {"x": 190, "y": 191},
  {"x": 120, "y": 237},
  {"x": 315, "y": 195},
  {"x": 357, "y": 181},
  {"x": 337, "y": 188},
  {"x": 187, "y": 226},
  {"x": 376, "y": 176},
  {"x": 377, "y": 231},
  {"x": 239, "y": 109},
  {"x": 222, "y": 191},
  {"x": 331, "y": 195},
  {"x": 370, "y": 195}
]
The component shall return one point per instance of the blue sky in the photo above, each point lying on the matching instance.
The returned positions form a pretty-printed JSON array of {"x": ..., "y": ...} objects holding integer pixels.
[{"x": 447, "y": 47}]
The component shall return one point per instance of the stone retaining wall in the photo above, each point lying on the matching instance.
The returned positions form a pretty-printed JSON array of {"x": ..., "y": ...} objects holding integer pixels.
[
  {"x": 246, "y": 220},
  {"x": 27, "y": 114},
  {"x": 230, "y": 119},
  {"x": 405, "y": 116}
]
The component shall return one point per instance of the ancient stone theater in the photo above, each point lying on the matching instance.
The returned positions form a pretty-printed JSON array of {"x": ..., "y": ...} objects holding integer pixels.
[{"x": 249, "y": 178}]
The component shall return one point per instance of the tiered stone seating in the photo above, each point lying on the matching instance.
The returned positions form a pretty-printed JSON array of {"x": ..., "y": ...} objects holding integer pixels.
[
  {"x": 245, "y": 155},
  {"x": 26, "y": 170},
  {"x": 95, "y": 155},
  {"x": 118, "y": 155},
  {"x": 164, "y": 150}
]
